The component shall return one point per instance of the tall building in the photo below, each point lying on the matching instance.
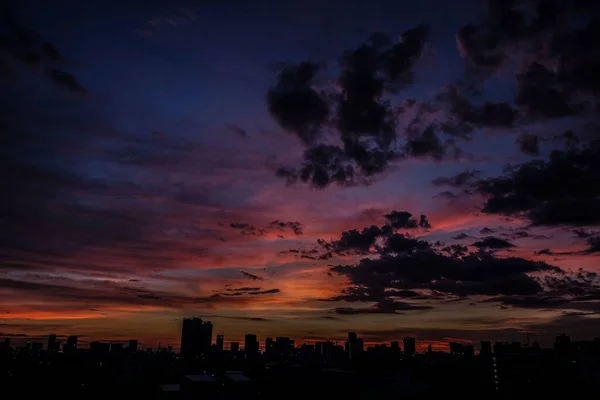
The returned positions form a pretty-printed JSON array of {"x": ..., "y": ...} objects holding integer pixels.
[
  {"x": 351, "y": 345},
  {"x": 250, "y": 344},
  {"x": 410, "y": 346},
  {"x": 71, "y": 344},
  {"x": 486, "y": 348},
  {"x": 283, "y": 345},
  {"x": 269, "y": 345},
  {"x": 196, "y": 337},
  {"x": 51, "y": 343},
  {"x": 220, "y": 342},
  {"x": 234, "y": 347},
  {"x": 133, "y": 346}
]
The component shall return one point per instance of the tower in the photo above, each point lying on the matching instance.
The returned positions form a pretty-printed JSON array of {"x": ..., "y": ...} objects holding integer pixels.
[{"x": 196, "y": 337}]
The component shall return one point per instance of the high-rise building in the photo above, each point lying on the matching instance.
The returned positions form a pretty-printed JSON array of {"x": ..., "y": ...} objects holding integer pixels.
[
  {"x": 196, "y": 337},
  {"x": 486, "y": 348},
  {"x": 250, "y": 344},
  {"x": 410, "y": 346},
  {"x": 269, "y": 345},
  {"x": 220, "y": 342},
  {"x": 354, "y": 345},
  {"x": 133, "y": 346},
  {"x": 51, "y": 343},
  {"x": 234, "y": 347},
  {"x": 71, "y": 344},
  {"x": 283, "y": 345},
  {"x": 562, "y": 344}
]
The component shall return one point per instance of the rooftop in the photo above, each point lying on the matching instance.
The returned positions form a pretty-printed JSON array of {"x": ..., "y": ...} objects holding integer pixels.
[
  {"x": 237, "y": 376},
  {"x": 200, "y": 378},
  {"x": 171, "y": 387}
]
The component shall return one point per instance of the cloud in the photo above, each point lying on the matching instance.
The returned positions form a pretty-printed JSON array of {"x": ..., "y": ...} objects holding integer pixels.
[
  {"x": 403, "y": 268},
  {"x": 461, "y": 180},
  {"x": 357, "y": 112},
  {"x": 104, "y": 294},
  {"x": 295, "y": 105},
  {"x": 240, "y": 318},
  {"x": 493, "y": 243},
  {"x": 66, "y": 80},
  {"x": 28, "y": 48},
  {"x": 176, "y": 18},
  {"x": 247, "y": 229},
  {"x": 529, "y": 144},
  {"x": 461, "y": 236},
  {"x": 251, "y": 276},
  {"x": 239, "y": 131},
  {"x": 274, "y": 226},
  {"x": 296, "y": 227},
  {"x": 560, "y": 191}
]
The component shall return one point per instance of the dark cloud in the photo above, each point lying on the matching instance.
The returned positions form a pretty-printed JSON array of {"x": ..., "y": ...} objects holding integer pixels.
[
  {"x": 461, "y": 236},
  {"x": 493, "y": 243},
  {"x": 330, "y": 317},
  {"x": 546, "y": 252},
  {"x": 275, "y": 226},
  {"x": 247, "y": 229},
  {"x": 401, "y": 220},
  {"x": 66, "y": 80},
  {"x": 522, "y": 234},
  {"x": 363, "y": 118},
  {"x": 294, "y": 103},
  {"x": 401, "y": 268},
  {"x": 486, "y": 231},
  {"x": 461, "y": 180},
  {"x": 253, "y": 319},
  {"x": 447, "y": 195},
  {"x": 561, "y": 191},
  {"x": 26, "y": 46},
  {"x": 296, "y": 227},
  {"x": 239, "y": 131},
  {"x": 367, "y": 240},
  {"x": 251, "y": 276},
  {"x": 84, "y": 295},
  {"x": 529, "y": 144},
  {"x": 394, "y": 307}
]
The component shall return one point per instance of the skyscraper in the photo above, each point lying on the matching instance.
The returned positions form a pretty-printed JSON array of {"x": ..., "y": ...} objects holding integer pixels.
[
  {"x": 269, "y": 345},
  {"x": 133, "y": 346},
  {"x": 71, "y": 344},
  {"x": 196, "y": 337},
  {"x": 234, "y": 347},
  {"x": 486, "y": 348},
  {"x": 250, "y": 344},
  {"x": 410, "y": 346},
  {"x": 220, "y": 342},
  {"x": 51, "y": 343}
]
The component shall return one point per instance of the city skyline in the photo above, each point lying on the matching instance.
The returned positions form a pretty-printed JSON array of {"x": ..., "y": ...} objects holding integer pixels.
[
  {"x": 303, "y": 170},
  {"x": 406, "y": 344}
]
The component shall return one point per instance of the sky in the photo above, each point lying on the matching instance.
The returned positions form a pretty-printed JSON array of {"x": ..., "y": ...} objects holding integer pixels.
[{"x": 278, "y": 169}]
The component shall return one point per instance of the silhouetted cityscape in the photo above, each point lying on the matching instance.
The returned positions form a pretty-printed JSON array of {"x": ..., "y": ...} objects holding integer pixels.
[{"x": 206, "y": 369}]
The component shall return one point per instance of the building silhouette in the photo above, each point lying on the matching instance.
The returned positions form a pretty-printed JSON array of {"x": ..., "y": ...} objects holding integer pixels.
[
  {"x": 133, "y": 346},
  {"x": 269, "y": 345},
  {"x": 196, "y": 337},
  {"x": 251, "y": 344},
  {"x": 234, "y": 347},
  {"x": 52, "y": 343},
  {"x": 220, "y": 342},
  {"x": 486, "y": 348},
  {"x": 71, "y": 344},
  {"x": 410, "y": 346}
]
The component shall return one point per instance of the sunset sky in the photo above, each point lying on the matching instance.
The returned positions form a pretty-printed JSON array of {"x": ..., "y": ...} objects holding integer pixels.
[{"x": 156, "y": 165}]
